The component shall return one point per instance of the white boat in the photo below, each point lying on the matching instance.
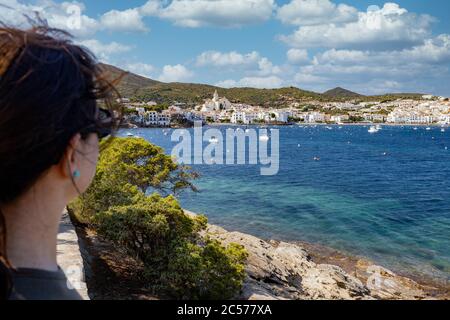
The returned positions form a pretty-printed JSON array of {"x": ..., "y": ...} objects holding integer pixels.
[
  {"x": 378, "y": 127},
  {"x": 442, "y": 130},
  {"x": 415, "y": 128},
  {"x": 129, "y": 134},
  {"x": 264, "y": 138},
  {"x": 428, "y": 128},
  {"x": 214, "y": 140},
  {"x": 373, "y": 129}
]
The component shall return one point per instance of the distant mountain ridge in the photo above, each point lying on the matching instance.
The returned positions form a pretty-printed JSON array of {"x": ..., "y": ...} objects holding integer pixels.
[
  {"x": 130, "y": 83},
  {"x": 145, "y": 89},
  {"x": 341, "y": 92}
]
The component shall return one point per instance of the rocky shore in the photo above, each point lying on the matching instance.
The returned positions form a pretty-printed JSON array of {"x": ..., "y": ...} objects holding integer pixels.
[
  {"x": 281, "y": 270},
  {"x": 275, "y": 271}
]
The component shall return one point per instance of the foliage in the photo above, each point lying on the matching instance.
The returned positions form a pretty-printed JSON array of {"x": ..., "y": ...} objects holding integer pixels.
[
  {"x": 211, "y": 271},
  {"x": 179, "y": 260},
  {"x": 127, "y": 167},
  {"x": 143, "y": 165},
  {"x": 129, "y": 111},
  {"x": 158, "y": 108},
  {"x": 143, "y": 89},
  {"x": 356, "y": 119}
]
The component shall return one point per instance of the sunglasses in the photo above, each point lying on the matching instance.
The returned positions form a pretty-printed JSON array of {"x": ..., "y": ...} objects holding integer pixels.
[{"x": 102, "y": 128}]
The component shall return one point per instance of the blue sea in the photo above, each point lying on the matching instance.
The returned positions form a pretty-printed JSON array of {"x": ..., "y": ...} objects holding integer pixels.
[{"x": 383, "y": 196}]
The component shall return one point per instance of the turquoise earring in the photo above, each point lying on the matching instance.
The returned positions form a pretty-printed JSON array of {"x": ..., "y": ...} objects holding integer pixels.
[{"x": 76, "y": 174}]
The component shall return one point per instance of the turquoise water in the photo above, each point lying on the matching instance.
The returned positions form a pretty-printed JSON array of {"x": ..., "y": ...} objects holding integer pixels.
[{"x": 384, "y": 196}]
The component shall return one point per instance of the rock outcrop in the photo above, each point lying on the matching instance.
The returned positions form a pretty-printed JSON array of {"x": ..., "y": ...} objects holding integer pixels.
[{"x": 281, "y": 270}]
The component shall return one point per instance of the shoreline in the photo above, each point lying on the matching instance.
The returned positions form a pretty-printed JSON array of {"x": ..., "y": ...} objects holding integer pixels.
[
  {"x": 275, "y": 270},
  {"x": 354, "y": 266},
  {"x": 365, "y": 124},
  {"x": 329, "y": 124}
]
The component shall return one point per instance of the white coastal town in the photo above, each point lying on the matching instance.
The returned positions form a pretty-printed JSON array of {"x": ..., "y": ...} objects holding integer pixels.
[{"x": 427, "y": 110}]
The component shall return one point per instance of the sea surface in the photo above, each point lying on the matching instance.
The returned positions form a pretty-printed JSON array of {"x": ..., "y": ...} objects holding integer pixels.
[{"x": 383, "y": 196}]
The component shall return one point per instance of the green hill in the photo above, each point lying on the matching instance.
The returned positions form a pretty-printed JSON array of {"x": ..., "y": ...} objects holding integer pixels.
[
  {"x": 341, "y": 93},
  {"x": 130, "y": 83},
  {"x": 140, "y": 88}
]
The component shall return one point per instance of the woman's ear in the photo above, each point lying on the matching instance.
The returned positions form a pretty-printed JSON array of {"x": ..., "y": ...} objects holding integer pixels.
[{"x": 69, "y": 162}]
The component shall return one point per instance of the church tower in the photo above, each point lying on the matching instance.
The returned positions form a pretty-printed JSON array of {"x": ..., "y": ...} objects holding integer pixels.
[{"x": 216, "y": 96}]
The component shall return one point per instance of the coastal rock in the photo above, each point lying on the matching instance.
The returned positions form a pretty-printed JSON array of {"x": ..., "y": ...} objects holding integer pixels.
[
  {"x": 280, "y": 270},
  {"x": 285, "y": 271},
  {"x": 326, "y": 281},
  {"x": 384, "y": 284}
]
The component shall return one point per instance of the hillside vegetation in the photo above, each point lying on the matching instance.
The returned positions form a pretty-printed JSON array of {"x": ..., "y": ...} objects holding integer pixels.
[
  {"x": 131, "y": 203},
  {"x": 139, "y": 88}
]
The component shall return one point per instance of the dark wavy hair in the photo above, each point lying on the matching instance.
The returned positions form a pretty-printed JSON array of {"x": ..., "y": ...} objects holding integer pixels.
[{"x": 50, "y": 90}]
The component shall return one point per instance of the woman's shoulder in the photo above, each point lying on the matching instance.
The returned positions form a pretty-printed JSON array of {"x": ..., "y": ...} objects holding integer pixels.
[{"x": 34, "y": 284}]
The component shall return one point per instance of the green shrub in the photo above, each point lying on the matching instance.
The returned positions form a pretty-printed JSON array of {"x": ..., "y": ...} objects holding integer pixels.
[
  {"x": 126, "y": 168},
  {"x": 211, "y": 271},
  {"x": 178, "y": 261}
]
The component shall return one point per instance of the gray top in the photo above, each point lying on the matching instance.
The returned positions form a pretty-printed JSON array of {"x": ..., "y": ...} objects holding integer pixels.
[{"x": 33, "y": 284}]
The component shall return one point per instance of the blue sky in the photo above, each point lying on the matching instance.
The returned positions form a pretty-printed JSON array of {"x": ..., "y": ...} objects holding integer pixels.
[{"x": 370, "y": 47}]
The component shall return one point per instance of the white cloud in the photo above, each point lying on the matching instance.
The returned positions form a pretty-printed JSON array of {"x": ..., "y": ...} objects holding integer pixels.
[
  {"x": 253, "y": 82},
  {"x": 297, "y": 56},
  {"x": 104, "y": 51},
  {"x": 221, "y": 59},
  {"x": 390, "y": 27},
  {"x": 252, "y": 63},
  {"x": 313, "y": 12},
  {"x": 175, "y": 73},
  {"x": 66, "y": 15},
  {"x": 139, "y": 68},
  {"x": 151, "y": 8},
  {"x": 222, "y": 13},
  {"x": 70, "y": 16},
  {"x": 305, "y": 79},
  {"x": 433, "y": 51},
  {"x": 266, "y": 68},
  {"x": 127, "y": 20},
  {"x": 421, "y": 68},
  {"x": 226, "y": 84}
]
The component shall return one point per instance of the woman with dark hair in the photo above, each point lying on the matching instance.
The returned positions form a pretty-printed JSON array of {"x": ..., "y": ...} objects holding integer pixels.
[{"x": 50, "y": 126}]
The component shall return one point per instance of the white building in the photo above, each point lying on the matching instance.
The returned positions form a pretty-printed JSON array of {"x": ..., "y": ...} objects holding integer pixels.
[
  {"x": 153, "y": 118},
  {"x": 243, "y": 117},
  {"x": 315, "y": 117},
  {"x": 409, "y": 117},
  {"x": 445, "y": 119},
  {"x": 164, "y": 119},
  {"x": 250, "y": 117},
  {"x": 374, "y": 117},
  {"x": 216, "y": 104},
  {"x": 339, "y": 118},
  {"x": 282, "y": 116}
]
